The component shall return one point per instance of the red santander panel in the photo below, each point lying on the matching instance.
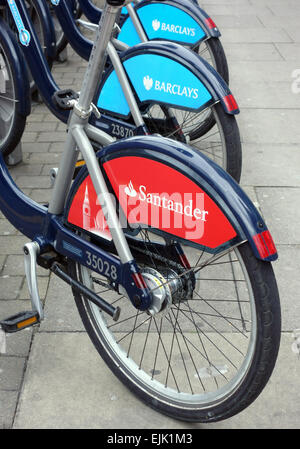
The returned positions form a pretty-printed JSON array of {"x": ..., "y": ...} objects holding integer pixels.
[{"x": 152, "y": 193}]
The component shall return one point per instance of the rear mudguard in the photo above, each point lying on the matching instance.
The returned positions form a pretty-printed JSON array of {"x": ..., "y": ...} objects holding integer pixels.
[
  {"x": 179, "y": 21},
  {"x": 165, "y": 73},
  {"x": 158, "y": 182},
  {"x": 10, "y": 45},
  {"x": 176, "y": 20}
]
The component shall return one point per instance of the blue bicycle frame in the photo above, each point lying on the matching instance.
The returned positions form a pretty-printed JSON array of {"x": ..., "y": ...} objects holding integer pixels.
[
  {"x": 195, "y": 25},
  {"x": 49, "y": 230},
  {"x": 199, "y": 70}
]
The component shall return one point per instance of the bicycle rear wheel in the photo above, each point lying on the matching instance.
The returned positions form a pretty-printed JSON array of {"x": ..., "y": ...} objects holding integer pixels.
[
  {"x": 207, "y": 344},
  {"x": 61, "y": 40},
  {"x": 12, "y": 123},
  {"x": 201, "y": 358},
  {"x": 221, "y": 142}
]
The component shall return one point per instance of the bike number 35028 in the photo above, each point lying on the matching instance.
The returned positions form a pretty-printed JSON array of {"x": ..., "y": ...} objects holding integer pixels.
[{"x": 102, "y": 266}]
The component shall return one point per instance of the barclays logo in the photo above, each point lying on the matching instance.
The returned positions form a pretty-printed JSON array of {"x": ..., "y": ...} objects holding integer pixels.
[
  {"x": 155, "y": 24},
  {"x": 169, "y": 88},
  {"x": 177, "y": 29},
  {"x": 148, "y": 82}
]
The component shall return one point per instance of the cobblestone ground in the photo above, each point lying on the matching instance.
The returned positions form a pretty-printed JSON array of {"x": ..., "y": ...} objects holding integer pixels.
[{"x": 262, "y": 43}]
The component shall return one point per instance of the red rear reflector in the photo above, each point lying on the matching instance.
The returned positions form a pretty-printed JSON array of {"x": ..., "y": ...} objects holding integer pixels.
[
  {"x": 230, "y": 103},
  {"x": 269, "y": 242},
  {"x": 210, "y": 23},
  {"x": 264, "y": 244},
  {"x": 139, "y": 280}
]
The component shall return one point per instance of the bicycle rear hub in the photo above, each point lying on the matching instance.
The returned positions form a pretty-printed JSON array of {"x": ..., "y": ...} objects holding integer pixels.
[{"x": 166, "y": 288}]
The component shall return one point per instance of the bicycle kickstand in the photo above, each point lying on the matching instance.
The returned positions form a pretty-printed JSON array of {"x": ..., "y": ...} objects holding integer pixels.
[{"x": 28, "y": 318}]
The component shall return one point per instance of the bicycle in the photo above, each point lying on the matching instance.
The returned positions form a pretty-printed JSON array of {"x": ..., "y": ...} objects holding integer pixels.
[
  {"x": 41, "y": 19},
  {"x": 178, "y": 21},
  {"x": 138, "y": 107},
  {"x": 61, "y": 40},
  {"x": 14, "y": 91},
  {"x": 155, "y": 240},
  {"x": 141, "y": 24}
]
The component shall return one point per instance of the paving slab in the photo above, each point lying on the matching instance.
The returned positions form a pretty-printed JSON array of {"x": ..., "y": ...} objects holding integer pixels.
[
  {"x": 60, "y": 309},
  {"x": 271, "y": 165},
  {"x": 251, "y": 52},
  {"x": 260, "y": 94},
  {"x": 262, "y": 71},
  {"x": 280, "y": 208},
  {"x": 67, "y": 385},
  {"x": 288, "y": 282},
  {"x": 8, "y": 400},
  {"x": 270, "y": 126},
  {"x": 255, "y": 35}
]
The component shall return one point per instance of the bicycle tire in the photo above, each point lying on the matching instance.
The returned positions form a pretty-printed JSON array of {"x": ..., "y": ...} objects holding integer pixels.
[
  {"x": 40, "y": 29},
  {"x": 11, "y": 120},
  {"x": 217, "y": 58},
  {"x": 38, "y": 21},
  {"x": 61, "y": 40},
  {"x": 225, "y": 149}
]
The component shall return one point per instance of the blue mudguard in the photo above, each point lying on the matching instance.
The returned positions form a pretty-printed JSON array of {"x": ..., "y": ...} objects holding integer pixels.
[
  {"x": 179, "y": 21},
  {"x": 10, "y": 45},
  {"x": 176, "y": 20},
  {"x": 165, "y": 73},
  {"x": 49, "y": 31},
  {"x": 139, "y": 166}
]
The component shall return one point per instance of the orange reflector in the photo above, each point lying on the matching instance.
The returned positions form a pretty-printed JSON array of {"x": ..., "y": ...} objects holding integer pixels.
[
  {"x": 80, "y": 163},
  {"x": 27, "y": 322}
]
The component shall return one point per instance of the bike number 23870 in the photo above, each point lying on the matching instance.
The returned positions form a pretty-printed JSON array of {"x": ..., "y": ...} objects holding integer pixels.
[{"x": 102, "y": 266}]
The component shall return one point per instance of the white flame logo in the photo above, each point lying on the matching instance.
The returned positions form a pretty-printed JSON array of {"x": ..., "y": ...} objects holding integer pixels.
[
  {"x": 129, "y": 190},
  {"x": 148, "y": 82},
  {"x": 155, "y": 24}
]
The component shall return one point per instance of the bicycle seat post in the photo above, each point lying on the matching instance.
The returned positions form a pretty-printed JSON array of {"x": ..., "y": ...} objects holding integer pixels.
[
  {"x": 98, "y": 56},
  {"x": 82, "y": 108},
  {"x": 77, "y": 139}
]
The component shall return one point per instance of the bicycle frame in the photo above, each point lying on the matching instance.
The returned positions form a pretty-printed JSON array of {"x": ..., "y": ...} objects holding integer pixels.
[
  {"x": 134, "y": 26},
  {"x": 45, "y": 226},
  {"x": 139, "y": 25},
  {"x": 47, "y": 86},
  {"x": 108, "y": 123}
]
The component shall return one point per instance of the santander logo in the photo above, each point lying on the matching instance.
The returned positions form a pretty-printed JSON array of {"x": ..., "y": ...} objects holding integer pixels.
[
  {"x": 129, "y": 190},
  {"x": 172, "y": 203}
]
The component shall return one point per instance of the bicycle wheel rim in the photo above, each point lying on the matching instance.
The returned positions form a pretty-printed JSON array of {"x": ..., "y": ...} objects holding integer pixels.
[
  {"x": 152, "y": 384},
  {"x": 211, "y": 143}
]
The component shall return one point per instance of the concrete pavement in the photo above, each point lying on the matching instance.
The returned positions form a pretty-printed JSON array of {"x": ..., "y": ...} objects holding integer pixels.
[{"x": 52, "y": 377}]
